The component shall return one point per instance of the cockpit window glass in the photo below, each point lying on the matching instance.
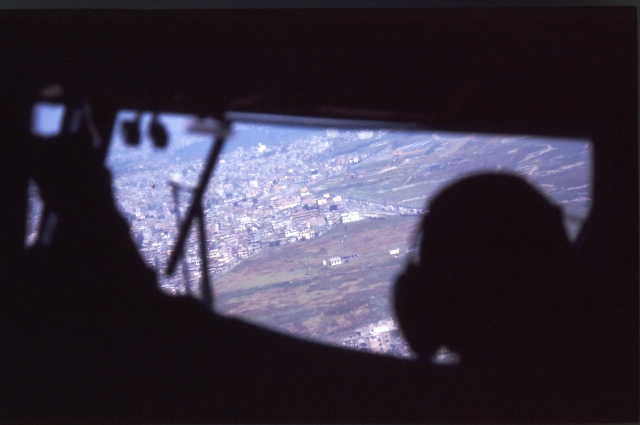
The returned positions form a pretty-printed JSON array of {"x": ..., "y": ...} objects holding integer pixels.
[
  {"x": 308, "y": 227},
  {"x": 145, "y": 179},
  {"x": 312, "y": 226},
  {"x": 46, "y": 119},
  {"x": 35, "y": 208}
]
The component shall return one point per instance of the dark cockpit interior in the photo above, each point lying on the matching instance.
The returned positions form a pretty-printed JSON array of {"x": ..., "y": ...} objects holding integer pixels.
[{"x": 87, "y": 336}]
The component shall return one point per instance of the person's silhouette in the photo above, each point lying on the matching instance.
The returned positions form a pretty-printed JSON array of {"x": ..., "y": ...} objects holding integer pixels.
[
  {"x": 89, "y": 336},
  {"x": 493, "y": 284}
]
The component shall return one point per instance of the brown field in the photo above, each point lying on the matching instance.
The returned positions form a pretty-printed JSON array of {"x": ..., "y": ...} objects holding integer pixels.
[{"x": 289, "y": 289}]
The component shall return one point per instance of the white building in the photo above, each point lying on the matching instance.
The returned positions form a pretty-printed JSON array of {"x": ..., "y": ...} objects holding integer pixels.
[
  {"x": 337, "y": 198},
  {"x": 350, "y": 216},
  {"x": 244, "y": 220},
  {"x": 394, "y": 251},
  {"x": 379, "y": 329},
  {"x": 334, "y": 261},
  {"x": 286, "y": 204},
  {"x": 365, "y": 135}
]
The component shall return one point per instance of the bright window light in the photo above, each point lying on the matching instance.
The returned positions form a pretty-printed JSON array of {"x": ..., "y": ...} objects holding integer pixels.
[{"x": 46, "y": 119}]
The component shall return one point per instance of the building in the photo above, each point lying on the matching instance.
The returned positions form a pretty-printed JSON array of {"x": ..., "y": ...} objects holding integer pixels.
[
  {"x": 394, "y": 251},
  {"x": 385, "y": 340},
  {"x": 350, "y": 216},
  {"x": 286, "y": 204},
  {"x": 309, "y": 202},
  {"x": 380, "y": 329},
  {"x": 373, "y": 344},
  {"x": 243, "y": 252},
  {"x": 243, "y": 220},
  {"x": 334, "y": 261}
]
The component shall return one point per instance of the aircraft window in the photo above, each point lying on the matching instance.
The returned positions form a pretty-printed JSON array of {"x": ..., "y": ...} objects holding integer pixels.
[
  {"x": 308, "y": 227},
  {"x": 35, "y": 208},
  {"x": 46, "y": 119}
]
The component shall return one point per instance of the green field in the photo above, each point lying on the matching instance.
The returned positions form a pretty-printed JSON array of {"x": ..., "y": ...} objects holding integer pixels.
[{"x": 288, "y": 288}]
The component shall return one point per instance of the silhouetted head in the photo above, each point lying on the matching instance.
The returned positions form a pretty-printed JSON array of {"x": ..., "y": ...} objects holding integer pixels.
[{"x": 493, "y": 269}]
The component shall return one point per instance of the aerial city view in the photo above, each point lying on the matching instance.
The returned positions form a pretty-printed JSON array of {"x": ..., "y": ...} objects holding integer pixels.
[{"x": 307, "y": 228}]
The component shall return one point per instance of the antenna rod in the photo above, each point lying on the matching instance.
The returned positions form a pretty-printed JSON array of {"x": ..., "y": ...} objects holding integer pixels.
[
  {"x": 176, "y": 201},
  {"x": 206, "y": 289},
  {"x": 197, "y": 196}
]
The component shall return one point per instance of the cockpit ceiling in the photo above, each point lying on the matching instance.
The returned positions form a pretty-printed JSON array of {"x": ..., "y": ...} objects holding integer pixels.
[{"x": 563, "y": 71}]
